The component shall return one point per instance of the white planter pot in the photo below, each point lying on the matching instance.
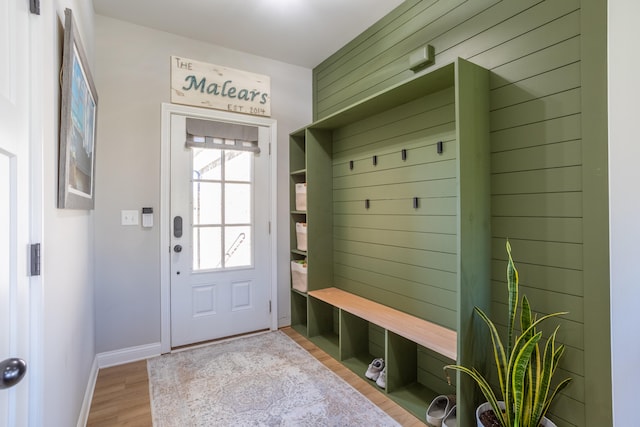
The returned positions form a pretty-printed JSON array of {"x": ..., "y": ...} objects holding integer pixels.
[{"x": 546, "y": 422}]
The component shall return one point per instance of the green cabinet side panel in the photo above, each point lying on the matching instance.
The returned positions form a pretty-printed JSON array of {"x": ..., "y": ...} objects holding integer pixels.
[{"x": 319, "y": 208}]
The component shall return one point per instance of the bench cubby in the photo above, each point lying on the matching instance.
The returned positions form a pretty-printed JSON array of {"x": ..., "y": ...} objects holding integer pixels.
[
  {"x": 324, "y": 330},
  {"x": 360, "y": 343}
]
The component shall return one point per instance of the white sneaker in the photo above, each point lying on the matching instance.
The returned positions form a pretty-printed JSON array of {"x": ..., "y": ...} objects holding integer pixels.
[
  {"x": 438, "y": 409},
  {"x": 374, "y": 369},
  {"x": 382, "y": 379},
  {"x": 450, "y": 419}
]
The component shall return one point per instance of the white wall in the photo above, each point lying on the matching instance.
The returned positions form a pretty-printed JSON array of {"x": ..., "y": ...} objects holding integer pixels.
[
  {"x": 132, "y": 79},
  {"x": 624, "y": 204},
  {"x": 66, "y": 318}
]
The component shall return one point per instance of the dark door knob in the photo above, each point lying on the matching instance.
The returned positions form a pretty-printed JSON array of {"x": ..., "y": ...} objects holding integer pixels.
[
  {"x": 12, "y": 371},
  {"x": 177, "y": 248}
]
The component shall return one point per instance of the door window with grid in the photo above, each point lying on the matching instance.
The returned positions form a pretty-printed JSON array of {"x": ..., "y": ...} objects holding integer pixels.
[{"x": 222, "y": 199}]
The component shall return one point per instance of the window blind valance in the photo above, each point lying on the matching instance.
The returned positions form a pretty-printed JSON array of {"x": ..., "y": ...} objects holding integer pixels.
[{"x": 221, "y": 135}]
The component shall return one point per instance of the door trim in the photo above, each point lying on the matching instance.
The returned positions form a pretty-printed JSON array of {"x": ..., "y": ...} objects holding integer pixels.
[{"x": 165, "y": 215}]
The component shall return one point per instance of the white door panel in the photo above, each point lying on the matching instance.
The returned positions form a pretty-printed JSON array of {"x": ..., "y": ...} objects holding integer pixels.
[
  {"x": 220, "y": 262},
  {"x": 14, "y": 207}
]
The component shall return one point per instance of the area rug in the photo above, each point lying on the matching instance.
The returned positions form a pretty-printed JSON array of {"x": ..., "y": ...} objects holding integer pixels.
[{"x": 261, "y": 380}]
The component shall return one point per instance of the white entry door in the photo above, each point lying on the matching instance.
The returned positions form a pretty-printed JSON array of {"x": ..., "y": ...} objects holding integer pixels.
[
  {"x": 14, "y": 211},
  {"x": 220, "y": 242}
]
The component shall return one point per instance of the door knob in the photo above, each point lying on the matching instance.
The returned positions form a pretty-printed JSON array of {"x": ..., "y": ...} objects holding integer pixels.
[
  {"x": 12, "y": 371},
  {"x": 177, "y": 248}
]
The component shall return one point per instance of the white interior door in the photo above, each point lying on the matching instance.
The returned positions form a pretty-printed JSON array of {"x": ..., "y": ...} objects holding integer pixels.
[
  {"x": 14, "y": 211},
  {"x": 220, "y": 242}
]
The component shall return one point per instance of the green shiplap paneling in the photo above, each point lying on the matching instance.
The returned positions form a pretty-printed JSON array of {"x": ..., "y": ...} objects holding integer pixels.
[
  {"x": 389, "y": 63},
  {"x": 424, "y": 189},
  {"x": 438, "y": 170},
  {"x": 565, "y": 230},
  {"x": 404, "y": 239},
  {"x": 539, "y": 62},
  {"x": 565, "y": 128},
  {"x": 552, "y": 301},
  {"x": 492, "y": 27},
  {"x": 412, "y": 223},
  {"x": 445, "y": 262},
  {"x": 545, "y": 108},
  {"x": 391, "y": 159},
  {"x": 541, "y": 26},
  {"x": 379, "y": 30},
  {"x": 424, "y": 112},
  {"x": 553, "y": 279},
  {"x": 537, "y": 52},
  {"x": 543, "y": 84},
  {"x": 431, "y": 284},
  {"x": 567, "y": 179},
  {"x": 396, "y": 210},
  {"x": 390, "y": 43},
  {"x": 557, "y": 205}
]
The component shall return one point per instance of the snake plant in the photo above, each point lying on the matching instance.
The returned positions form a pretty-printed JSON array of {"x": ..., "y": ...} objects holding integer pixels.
[{"x": 524, "y": 370}]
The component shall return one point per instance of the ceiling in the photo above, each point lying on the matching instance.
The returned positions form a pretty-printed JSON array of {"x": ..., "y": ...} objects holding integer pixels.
[{"x": 299, "y": 32}]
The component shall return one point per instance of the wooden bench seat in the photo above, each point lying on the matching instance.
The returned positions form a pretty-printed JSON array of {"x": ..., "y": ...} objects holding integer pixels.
[{"x": 435, "y": 337}]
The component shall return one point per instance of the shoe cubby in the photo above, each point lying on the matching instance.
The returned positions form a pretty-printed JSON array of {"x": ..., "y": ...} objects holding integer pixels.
[
  {"x": 360, "y": 342},
  {"x": 324, "y": 326},
  {"x": 414, "y": 374}
]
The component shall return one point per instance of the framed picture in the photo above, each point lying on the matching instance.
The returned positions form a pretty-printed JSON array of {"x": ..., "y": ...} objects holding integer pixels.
[{"x": 78, "y": 114}]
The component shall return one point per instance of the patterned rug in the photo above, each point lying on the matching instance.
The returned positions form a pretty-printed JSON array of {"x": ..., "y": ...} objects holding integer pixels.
[{"x": 261, "y": 380}]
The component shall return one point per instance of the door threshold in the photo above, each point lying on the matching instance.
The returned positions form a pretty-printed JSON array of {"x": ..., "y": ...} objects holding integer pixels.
[{"x": 217, "y": 340}]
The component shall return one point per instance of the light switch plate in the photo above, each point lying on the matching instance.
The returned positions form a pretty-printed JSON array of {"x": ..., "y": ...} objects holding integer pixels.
[{"x": 129, "y": 217}]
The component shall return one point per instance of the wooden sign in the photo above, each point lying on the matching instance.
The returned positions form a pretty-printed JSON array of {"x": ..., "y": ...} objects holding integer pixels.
[{"x": 213, "y": 86}]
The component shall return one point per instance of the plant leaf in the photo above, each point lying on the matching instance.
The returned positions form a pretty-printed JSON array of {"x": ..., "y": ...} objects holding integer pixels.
[
  {"x": 512, "y": 286},
  {"x": 518, "y": 366},
  {"x": 500, "y": 357}
]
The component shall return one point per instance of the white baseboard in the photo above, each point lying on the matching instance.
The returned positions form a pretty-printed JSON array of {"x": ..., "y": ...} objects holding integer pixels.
[
  {"x": 127, "y": 355},
  {"x": 88, "y": 394},
  {"x": 112, "y": 358}
]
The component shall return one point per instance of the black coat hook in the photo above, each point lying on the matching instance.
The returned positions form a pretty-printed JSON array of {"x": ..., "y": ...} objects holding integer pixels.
[
  {"x": 439, "y": 147},
  {"x": 367, "y": 204},
  {"x": 375, "y": 160},
  {"x": 351, "y": 164},
  {"x": 415, "y": 203},
  {"x": 404, "y": 154}
]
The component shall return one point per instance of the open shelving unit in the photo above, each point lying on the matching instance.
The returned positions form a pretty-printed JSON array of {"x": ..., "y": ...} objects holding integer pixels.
[{"x": 355, "y": 328}]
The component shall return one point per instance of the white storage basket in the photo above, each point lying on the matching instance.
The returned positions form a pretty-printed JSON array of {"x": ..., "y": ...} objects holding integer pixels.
[
  {"x": 299, "y": 275},
  {"x": 301, "y": 235},
  {"x": 301, "y": 196}
]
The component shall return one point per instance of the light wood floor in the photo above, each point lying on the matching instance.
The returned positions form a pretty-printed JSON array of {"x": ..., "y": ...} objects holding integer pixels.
[{"x": 121, "y": 396}]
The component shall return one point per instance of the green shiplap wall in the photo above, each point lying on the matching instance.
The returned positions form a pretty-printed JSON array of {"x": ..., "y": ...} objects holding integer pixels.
[
  {"x": 391, "y": 252},
  {"x": 541, "y": 160}
]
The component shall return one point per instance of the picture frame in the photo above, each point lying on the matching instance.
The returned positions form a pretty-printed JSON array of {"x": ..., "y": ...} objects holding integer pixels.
[{"x": 78, "y": 119}]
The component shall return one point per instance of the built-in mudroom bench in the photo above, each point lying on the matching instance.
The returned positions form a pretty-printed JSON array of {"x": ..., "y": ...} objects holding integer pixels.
[{"x": 390, "y": 233}]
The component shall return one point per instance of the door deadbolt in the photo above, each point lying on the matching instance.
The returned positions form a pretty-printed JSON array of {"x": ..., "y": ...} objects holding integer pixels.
[{"x": 177, "y": 248}]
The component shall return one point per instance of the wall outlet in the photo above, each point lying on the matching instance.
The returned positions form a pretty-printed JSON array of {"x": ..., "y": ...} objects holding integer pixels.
[{"x": 129, "y": 218}]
